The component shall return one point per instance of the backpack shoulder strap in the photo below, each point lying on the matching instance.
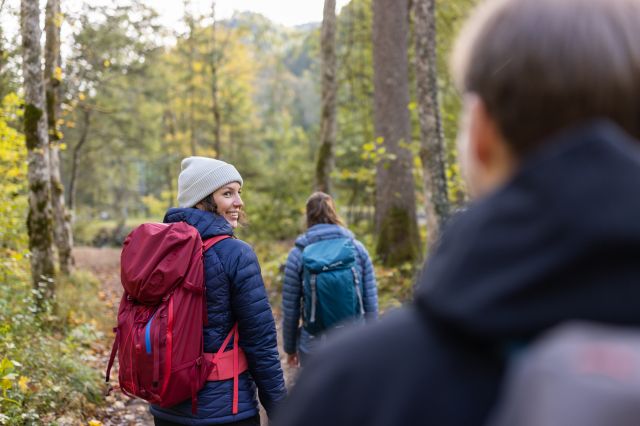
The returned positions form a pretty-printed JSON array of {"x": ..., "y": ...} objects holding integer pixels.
[{"x": 210, "y": 242}]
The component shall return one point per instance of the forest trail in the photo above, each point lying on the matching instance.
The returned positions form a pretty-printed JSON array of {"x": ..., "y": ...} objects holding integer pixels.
[{"x": 120, "y": 410}]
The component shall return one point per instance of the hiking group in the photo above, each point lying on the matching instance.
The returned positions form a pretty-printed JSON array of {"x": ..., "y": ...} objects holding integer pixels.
[{"x": 548, "y": 143}]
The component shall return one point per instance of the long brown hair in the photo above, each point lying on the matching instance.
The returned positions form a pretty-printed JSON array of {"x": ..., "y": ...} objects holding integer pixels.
[{"x": 321, "y": 209}]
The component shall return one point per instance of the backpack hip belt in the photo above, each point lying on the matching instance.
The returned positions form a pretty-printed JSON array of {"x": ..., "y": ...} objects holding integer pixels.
[{"x": 228, "y": 365}]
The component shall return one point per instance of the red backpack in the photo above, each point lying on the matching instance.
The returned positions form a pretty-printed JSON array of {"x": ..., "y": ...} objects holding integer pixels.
[{"x": 159, "y": 338}]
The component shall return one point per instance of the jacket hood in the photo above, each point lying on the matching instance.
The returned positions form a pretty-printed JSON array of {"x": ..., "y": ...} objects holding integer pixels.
[
  {"x": 322, "y": 231},
  {"x": 208, "y": 224},
  {"x": 560, "y": 241}
]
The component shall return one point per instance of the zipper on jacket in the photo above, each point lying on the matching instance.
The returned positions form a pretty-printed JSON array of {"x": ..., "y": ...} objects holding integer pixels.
[{"x": 313, "y": 298}]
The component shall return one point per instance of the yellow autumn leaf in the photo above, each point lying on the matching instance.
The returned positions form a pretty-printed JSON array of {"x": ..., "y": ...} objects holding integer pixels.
[
  {"x": 106, "y": 63},
  {"x": 58, "y": 19},
  {"x": 57, "y": 74},
  {"x": 81, "y": 96},
  {"x": 368, "y": 147},
  {"x": 23, "y": 383},
  {"x": 95, "y": 423}
]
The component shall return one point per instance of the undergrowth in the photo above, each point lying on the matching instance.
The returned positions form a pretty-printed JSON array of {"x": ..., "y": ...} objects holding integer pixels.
[{"x": 48, "y": 360}]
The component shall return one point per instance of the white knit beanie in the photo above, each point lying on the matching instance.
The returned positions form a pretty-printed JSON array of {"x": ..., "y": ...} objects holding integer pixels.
[{"x": 201, "y": 176}]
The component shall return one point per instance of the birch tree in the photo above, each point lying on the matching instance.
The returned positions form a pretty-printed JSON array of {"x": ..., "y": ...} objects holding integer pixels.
[
  {"x": 39, "y": 220},
  {"x": 52, "y": 74},
  {"x": 431, "y": 134}
]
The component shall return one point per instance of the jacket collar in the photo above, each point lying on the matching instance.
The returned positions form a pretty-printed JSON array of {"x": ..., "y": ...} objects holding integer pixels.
[{"x": 208, "y": 224}]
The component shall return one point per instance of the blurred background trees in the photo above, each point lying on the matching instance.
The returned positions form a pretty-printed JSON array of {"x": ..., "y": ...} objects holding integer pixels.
[{"x": 360, "y": 105}]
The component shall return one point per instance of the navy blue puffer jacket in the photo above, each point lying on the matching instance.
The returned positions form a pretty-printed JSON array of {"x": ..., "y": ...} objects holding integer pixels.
[
  {"x": 235, "y": 292},
  {"x": 292, "y": 287}
]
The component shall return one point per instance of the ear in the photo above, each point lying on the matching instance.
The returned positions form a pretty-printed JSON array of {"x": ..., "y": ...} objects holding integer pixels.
[
  {"x": 490, "y": 159},
  {"x": 484, "y": 137}
]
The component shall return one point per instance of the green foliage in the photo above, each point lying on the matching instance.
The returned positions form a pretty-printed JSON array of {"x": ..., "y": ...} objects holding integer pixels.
[
  {"x": 13, "y": 186},
  {"x": 356, "y": 152},
  {"x": 395, "y": 285},
  {"x": 45, "y": 366},
  {"x": 100, "y": 233}
]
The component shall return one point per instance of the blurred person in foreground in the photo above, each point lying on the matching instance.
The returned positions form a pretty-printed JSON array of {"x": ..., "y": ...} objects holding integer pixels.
[{"x": 548, "y": 142}]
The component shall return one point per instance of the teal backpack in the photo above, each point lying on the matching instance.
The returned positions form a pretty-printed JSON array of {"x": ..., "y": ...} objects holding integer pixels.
[{"x": 332, "y": 287}]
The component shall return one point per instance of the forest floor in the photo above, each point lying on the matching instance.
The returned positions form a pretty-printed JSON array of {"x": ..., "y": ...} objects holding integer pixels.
[{"x": 120, "y": 410}]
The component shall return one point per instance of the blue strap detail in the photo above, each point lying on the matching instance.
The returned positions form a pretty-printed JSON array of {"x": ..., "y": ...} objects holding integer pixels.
[{"x": 147, "y": 335}]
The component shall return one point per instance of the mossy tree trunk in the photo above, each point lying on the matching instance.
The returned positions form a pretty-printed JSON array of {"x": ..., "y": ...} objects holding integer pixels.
[
  {"x": 431, "y": 134},
  {"x": 39, "y": 220},
  {"x": 325, "y": 161},
  {"x": 52, "y": 74},
  {"x": 398, "y": 239}
]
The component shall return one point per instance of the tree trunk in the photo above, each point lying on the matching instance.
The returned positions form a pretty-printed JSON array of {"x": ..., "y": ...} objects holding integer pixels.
[
  {"x": 398, "y": 239},
  {"x": 62, "y": 221},
  {"x": 431, "y": 134},
  {"x": 192, "y": 90},
  {"x": 39, "y": 221},
  {"x": 215, "y": 61},
  {"x": 169, "y": 128},
  {"x": 76, "y": 155},
  {"x": 324, "y": 166}
]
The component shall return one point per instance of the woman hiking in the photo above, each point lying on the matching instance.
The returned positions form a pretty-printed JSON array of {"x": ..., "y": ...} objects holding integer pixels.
[
  {"x": 209, "y": 198},
  {"x": 329, "y": 280}
]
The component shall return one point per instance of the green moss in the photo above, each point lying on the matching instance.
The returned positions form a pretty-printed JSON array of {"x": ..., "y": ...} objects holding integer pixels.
[
  {"x": 398, "y": 241},
  {"x": 324, "y": 157},
  {"x": 31, "y": 116}
]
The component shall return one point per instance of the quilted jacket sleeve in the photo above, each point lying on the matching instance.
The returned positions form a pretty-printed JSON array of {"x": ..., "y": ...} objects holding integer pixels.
[
  {"x": 291, "y": 298},
  {"x": 256, "y": 326},
  {"x": 370, "y": 295}
]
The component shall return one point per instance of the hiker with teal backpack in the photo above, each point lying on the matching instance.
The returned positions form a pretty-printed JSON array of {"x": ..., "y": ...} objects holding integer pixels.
[{"x": 329, "y": 281}]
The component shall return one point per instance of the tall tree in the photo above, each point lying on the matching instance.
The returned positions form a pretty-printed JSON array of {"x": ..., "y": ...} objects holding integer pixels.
[
  {"x": 431, "y": 133},
  {"x": 215, "y": 61},
  {"x": 39, "y": 221},
  {"x": 190, "y": 21},
  {"x": 398, "y": 239},
  {"x": 325, "y": 161},
  {"x": 52, "y": 75}
]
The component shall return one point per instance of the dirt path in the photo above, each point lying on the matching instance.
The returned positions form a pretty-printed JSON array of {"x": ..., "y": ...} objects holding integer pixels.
[{"x": 104, "y": 263}]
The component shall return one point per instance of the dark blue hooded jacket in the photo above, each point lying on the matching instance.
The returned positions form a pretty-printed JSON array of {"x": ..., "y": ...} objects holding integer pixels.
[
  {"x": 560, "y": 241},
  {"x": 235, "y": 292}
]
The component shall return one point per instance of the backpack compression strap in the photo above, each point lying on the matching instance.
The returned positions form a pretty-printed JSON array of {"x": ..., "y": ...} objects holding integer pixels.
[
  {"x": 206, "y": 245},
  {"x": 210, "y": 242}
]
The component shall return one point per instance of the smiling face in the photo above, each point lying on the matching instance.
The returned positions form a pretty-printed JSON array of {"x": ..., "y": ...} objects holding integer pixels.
[{"x": 228, "y": 202}]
